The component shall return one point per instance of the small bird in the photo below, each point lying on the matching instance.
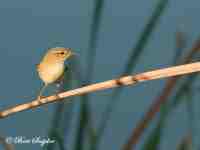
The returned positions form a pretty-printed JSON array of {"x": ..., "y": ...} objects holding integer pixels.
[{"x": 52, "y": 67}]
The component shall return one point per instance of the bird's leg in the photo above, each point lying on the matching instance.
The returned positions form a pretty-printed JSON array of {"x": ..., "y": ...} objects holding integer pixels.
[
  {"x": 40, "y": 95},
  {"x": 41, "y": 91},
  {"x": 59, "y": 86}
]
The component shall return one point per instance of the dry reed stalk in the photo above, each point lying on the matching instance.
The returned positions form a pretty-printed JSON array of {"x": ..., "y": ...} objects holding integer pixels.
[
  {"x": 155, "y": 107},
  {"x": 127, "y": 80}
]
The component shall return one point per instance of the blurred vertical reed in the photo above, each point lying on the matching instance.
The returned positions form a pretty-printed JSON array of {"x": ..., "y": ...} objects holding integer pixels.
[
  {"x": 84, "y": 115},
  {"x": 158, "y": 102},
  {"x": 58, "y": 126},
  {"x": 7, "y": 146},
  {"x": 184, "y": 89},
  {"x": 91, "y": 56},
  {"x": 131, "y": 63},
  {"x": 180, "y": 44},
  {"x": 153, "y": 140},
  {"x": 185, "y": 144}
]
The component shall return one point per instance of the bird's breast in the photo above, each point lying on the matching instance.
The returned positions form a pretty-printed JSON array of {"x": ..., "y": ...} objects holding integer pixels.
[{"x": 49, "y": 73}]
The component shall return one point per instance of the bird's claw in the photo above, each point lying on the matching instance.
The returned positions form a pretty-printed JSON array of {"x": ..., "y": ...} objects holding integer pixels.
[{"x": 39, "y": 98}]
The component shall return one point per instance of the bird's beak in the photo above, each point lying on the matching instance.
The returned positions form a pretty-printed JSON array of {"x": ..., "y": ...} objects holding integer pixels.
[
  {"x": 71, "y": 53},
  {"x": 74, "y": 54}
]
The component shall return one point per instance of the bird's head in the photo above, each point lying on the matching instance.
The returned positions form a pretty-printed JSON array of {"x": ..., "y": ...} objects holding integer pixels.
[{"x": 58, "y": 54}]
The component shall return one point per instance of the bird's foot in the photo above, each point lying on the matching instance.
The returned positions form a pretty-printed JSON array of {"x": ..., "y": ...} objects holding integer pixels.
[{"x": 39, "y": 98}]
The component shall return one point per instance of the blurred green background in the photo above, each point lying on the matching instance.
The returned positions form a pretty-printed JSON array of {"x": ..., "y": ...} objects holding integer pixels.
[{"x": 112, "y": 38}]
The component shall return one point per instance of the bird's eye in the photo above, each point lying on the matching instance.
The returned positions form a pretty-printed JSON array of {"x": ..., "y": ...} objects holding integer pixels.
[{"x": 62, "y": 53}]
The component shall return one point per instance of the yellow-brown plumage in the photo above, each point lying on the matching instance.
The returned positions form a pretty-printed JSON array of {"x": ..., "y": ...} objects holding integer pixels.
[{"x": 51, "y": 68}]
